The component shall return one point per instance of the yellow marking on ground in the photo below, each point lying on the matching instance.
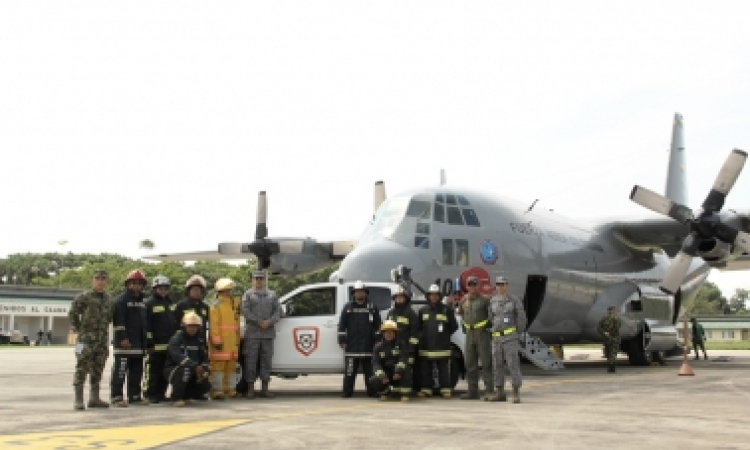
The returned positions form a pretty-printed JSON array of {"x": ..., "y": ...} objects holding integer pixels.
[
  {"x": 123, "y": 438},
  {"x": 146, "y": 436}
]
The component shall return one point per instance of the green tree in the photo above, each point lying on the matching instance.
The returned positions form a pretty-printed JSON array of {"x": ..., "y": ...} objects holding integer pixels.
[
  {"x": 738, "y": 302},
  {"x": 147, "y": 244},
  {"x": 709, "y": 300}
]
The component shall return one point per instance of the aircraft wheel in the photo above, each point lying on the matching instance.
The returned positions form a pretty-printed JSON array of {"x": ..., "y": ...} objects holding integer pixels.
[{"x": 637, "y": 354}]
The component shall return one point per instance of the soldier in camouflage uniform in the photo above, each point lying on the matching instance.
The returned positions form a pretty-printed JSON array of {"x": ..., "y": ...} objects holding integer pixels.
[
  {"x": 507, "y": 320},
  {"x": 609, "y": 328},
  {"x": 90, "y": 316},
  {"x": 261, "y": 310}
]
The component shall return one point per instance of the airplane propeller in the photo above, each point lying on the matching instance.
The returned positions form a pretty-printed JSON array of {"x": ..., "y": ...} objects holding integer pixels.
[
  {"x": 262, "y": 247},
  {"x": 707, "y": 225}
]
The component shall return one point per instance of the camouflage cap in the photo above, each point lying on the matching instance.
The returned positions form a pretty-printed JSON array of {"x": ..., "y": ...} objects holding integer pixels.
[
  {"x": 259, "y": 274},
  {"x": 100, "y": 273}
]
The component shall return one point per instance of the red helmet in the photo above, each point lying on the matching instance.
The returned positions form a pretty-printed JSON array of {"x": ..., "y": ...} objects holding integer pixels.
[{"x": 136, "y": 275}]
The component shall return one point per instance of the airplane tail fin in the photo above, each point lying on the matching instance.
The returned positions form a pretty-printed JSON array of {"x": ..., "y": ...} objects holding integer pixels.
[{"x": 676, "y": 189}]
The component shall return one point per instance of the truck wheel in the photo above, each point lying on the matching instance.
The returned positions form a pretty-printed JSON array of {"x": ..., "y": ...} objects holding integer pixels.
[{"x": 457, "y": 367}]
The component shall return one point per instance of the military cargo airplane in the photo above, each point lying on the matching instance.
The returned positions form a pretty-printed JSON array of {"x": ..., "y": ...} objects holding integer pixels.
[{"x": 567, "y": 272}]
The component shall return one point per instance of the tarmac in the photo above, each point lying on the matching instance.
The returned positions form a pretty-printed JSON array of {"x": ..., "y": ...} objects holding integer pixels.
[{"x": 580, "y": 407}]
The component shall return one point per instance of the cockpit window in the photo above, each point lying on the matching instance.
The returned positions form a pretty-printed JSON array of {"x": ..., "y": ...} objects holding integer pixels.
[
  {"x": 421, "y": 242},
  {"x": 454, "y": 216},
  {"x": 439, "y": 213},
  {"x": 439, "y": 198},
  {"x": 418, "y": 208},
  {"x": 450, "y": 199},
  {"x": 463, "y": 200},
  {"x": 423, "y": 228},
  {"x": 470, "y": 217}
]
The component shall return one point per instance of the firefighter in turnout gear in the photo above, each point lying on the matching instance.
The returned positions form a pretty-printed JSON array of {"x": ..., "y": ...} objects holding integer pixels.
[
  {"x": 160, "y": 326},
  {"x": 407, "y": 321},
  {"x": 507, "y": 321},
  {"x": 129, "y": 324},
  {"x": 195, "y": 291},
  {"x": 187, "y": 363},
  {"x": 359, "y": 329},
  {"x": 390, "y": 361},
  {"x": 437, "y": 323},
  {"x": 225, "y": 340},
  {"x": 261, "y": 310},
  {"x": 474, "y": 308},
  {"x": 90, "y": 316}
]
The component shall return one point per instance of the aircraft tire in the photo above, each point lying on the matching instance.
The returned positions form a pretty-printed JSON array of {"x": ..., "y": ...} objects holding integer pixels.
[{"x": 637, "y": 354}]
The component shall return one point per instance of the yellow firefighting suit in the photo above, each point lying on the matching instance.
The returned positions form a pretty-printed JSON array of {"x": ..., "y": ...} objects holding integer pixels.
[{"x": 224, "y": 345}]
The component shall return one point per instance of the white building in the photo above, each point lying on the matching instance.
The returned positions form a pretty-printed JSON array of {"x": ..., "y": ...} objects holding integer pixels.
[{"x": 29, "y": 309}]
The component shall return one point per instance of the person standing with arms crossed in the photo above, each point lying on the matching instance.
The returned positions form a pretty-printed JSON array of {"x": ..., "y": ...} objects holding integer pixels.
[
  {"x": 261, "y": 310},
  {"x": 90, "y": 316},
  {"x": 507, "y": 319},
  {"x": 474, "y": 309}
]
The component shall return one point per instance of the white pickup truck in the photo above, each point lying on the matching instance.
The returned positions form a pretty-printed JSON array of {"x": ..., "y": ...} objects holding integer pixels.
[{"x": 307, "y": 335}]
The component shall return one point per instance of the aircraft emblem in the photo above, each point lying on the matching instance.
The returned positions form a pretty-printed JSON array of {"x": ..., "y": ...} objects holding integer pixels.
[
  {"x": 488, "y": 252},
  {"x": 306, "y": 339}
]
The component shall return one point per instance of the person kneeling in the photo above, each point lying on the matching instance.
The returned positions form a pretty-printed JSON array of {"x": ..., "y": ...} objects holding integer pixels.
[
  {"x": 187, "y": 362},
  {"x": 389, "y": 359}
]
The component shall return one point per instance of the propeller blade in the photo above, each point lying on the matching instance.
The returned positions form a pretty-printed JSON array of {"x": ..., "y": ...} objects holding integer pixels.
[
  {"x": 728, "y": 175},
  {"x": 261, "y": 231},
  {"x": 680, "y": 264},
  {"x": 660, "y": 204},
  {"x": 676, "y": 273},
  {"x": 378, "y": 195},
  {"x": 292, "y": 246}
]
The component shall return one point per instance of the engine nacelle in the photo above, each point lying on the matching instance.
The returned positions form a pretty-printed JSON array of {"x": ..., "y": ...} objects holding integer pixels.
[{"x": 713, "y": 250}]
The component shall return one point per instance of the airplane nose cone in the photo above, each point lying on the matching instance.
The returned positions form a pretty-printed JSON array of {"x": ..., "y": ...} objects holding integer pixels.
[{"x": 375, "y": 260}]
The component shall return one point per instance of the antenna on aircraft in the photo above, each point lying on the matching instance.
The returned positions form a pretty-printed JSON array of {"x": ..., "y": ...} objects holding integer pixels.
[
  {"x": 442, "y": 177},
  {"x": 532, "y": 206}
]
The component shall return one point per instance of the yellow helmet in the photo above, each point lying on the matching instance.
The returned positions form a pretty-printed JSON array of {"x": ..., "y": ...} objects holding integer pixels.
[
  {"x": 192, "y": 318},
  {"x": 389, "y": 325},
  {"x": 224, "y": 284}
]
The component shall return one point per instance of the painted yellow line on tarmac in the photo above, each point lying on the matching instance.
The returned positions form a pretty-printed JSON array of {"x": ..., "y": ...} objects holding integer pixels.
[{"x": 145, "y": 436}]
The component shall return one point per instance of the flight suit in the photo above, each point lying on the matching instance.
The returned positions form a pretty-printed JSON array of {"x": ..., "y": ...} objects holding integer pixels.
[
  {"x": 225, "y": 341},
  {"x": 508, "y": 319},
  {"x": 90, "y": 316},
  {"x": 437, "y": 323},
  {"x": 475, "y": 313},
  {"x": 129, "y": 323},
  {"x": 258, "y": 306}
]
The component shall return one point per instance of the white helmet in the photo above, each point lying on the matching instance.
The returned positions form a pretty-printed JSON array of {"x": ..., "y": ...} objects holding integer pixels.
[
  {"x": 360, "y": 286},
  {"x": 434, "y": 289},
  {"x": 399, "y": 290},
  {"x": 195, "y": 280},
  {"x": 160, "y": 280}
]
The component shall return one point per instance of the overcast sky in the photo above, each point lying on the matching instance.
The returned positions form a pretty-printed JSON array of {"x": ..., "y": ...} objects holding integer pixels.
[{"x": 121, "y": 121}]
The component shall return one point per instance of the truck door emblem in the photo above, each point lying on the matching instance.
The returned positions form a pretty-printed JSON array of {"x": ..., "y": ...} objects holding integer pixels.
[{"x": 306, "y": 339}]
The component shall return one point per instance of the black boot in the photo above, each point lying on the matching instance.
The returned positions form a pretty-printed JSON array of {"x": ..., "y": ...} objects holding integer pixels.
[{"x": 611, "y": 368}]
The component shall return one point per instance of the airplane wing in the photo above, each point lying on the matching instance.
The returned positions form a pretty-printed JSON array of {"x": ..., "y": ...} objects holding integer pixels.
[
  {"x": 668, "y": 234},
  {"x": 210, "y": 255},
  {"x": 655, "y": 232}
]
